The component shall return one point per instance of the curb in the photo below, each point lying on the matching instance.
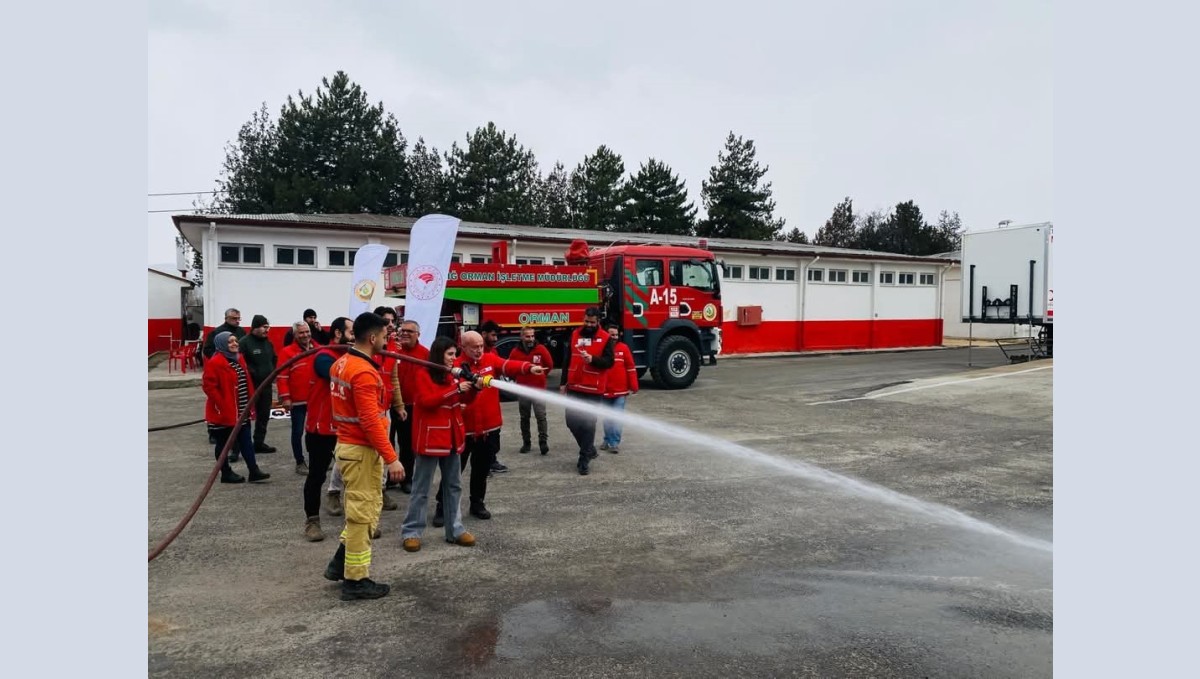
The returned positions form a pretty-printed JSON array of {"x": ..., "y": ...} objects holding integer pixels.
[
  {"x": 173, "y": 384},
  {"x": 829, "y": 352}
]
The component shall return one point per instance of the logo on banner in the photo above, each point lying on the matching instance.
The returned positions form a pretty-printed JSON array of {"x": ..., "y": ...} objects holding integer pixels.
[
  {"x": 424, "y": 282},
  {"x": 364, "y": 290},
  {"x": 710, "y": 312}
]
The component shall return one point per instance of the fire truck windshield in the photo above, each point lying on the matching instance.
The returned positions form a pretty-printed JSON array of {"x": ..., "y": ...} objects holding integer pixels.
[{"x": 693, "y": 274}]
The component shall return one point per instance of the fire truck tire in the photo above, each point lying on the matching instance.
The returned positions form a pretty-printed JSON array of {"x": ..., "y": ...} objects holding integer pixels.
[{"x": 677, "y": 363}]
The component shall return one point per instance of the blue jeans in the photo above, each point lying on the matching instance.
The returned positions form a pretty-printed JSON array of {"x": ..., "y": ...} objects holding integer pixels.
[
  {"x": 418, "y": 504},
  {"x": 298, "y": 413},
  {"x": 612, "y": 428}
]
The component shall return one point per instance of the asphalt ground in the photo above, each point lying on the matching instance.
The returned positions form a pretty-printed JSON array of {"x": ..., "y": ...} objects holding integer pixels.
[{"x": 668, "y": 559}]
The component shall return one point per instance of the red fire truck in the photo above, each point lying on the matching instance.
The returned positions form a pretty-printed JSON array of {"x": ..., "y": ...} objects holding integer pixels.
[{"x": 667, "y": 300}]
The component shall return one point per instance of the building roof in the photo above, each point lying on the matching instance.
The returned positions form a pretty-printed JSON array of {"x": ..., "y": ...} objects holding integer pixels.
[
  {"x": 167, "y": 275},
  {"x": 361, "y": 223}
]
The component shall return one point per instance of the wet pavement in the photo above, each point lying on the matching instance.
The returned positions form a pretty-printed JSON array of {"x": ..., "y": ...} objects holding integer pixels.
[{"x": 668, "y": 560}]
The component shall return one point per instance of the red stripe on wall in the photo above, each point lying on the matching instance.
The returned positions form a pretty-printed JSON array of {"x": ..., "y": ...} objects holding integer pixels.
[
  {"x": 164, "y": 327},
  {"x": 773, "y": 336}
]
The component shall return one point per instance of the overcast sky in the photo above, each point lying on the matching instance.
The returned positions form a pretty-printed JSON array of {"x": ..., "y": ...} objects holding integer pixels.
[{"x": 945, "y": 103}]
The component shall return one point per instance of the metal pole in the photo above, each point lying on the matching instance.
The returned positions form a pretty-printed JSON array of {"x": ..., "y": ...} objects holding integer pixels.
[
  {"x": 971, "y": 315},
  {"x": 1032, "y": 262}
]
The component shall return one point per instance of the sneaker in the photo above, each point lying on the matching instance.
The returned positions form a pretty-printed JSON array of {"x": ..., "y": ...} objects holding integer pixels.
[
  {"x": 479, "y": 511},
  {"x": 412, "y": 544},
  {"x": 388, "y": 503},
  {"x": 604, "y": 446},
  {"x": 312, "y": 529},
  {"x": 302, "y": 469},
  {"x": 363, "y": 589},
  {"x": 258, "y": 476},
  {"x": 525, "y": 449},
  {"x": 439, "y": 519},
  {"x": 333, "y": 503},
  {"x": 498, "y": 468},
  {"x": 232, "y": 477},
  {"x": 465, "y": 540}
]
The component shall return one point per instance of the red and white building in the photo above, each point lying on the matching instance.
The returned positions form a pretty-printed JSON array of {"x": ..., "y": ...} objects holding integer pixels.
[
  {"x": 777, "y": 297},
  {"x": 167, "y": 298}
]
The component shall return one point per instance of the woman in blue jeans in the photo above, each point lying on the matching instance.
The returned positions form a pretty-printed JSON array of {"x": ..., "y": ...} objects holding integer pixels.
[
  {"x": 620, "y": 383},
  {"x": 438, "y": 440}
]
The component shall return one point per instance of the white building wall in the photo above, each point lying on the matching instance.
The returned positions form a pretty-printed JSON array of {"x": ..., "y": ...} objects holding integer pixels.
[{"x": 163, "y": 296}]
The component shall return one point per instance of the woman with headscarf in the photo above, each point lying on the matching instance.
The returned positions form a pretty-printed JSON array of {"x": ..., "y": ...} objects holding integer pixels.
[{"x": 226, "y": 385}]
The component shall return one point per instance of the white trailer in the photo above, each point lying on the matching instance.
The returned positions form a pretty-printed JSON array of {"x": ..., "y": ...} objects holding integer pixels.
[{"x": 1007, "y": 277}]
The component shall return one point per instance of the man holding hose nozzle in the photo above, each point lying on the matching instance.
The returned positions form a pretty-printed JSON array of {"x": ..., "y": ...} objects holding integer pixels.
[
  {"x": 589, "y": 356},
  {"x": 483, "y": 418},
  {"x": 357, "y": 394}
]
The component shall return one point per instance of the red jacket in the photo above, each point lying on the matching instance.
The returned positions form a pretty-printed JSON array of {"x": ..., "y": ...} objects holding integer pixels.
[
  {"x": 220, "y": 386},
  {"x": 621, "y": 379},
  {"x": 583, "y": 377},
  {"x": 409, "y": 370},
  {"x": 296, "y": 381},
  {"x": 359, "y": 408},
  {"x": 483, "y": 415},
  {"x": 319, "y": 419},
  {"x": 438, "y": 428},
  {"x": 539, "y": 355}
]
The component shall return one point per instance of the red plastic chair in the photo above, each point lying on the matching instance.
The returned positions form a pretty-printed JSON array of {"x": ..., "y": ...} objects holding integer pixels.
[{"x": 181, "y": 353}]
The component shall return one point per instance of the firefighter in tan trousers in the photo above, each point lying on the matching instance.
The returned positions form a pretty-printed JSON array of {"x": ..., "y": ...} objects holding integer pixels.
[{"x": 359, "y": 405}]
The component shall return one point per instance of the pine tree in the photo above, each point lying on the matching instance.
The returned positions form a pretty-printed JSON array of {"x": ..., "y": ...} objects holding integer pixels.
[
  {"x": 737, "y": 202},
  {"x": 839, "y": 229},
  {"x": 949, "y": 233},
  {"x": 553, "y": 199},
  {"x": 597, "y": 191},
  {"x": 428, "y": 180},
  {"x": 793, "y": 236},
  {"x": 328, "y": 153},
  {"x": 657, "y": 202},
  {"x": 493, "y": 179}
]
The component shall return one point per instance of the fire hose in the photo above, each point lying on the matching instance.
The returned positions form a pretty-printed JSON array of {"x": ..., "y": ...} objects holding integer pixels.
[{"x": 462, "y": 372}]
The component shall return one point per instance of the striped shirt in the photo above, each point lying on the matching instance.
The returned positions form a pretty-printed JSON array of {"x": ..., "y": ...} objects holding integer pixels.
[{"x": 243, "y": 385}]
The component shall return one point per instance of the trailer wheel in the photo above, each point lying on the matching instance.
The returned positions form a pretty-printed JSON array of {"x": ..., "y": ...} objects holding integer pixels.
[{"x": 677, "y": 363}]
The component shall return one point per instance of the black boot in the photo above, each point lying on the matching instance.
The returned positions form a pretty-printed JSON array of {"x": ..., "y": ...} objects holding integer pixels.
[
  {"x": 479, "y": 511},
  {"x": 336, "y": 570},
  {"x": 544, "y": 444},
  {"x": 582, "y": 465},
  {"x": 525, "y": 447},
  {"x": 439, "y": 519},
  {"x": 230, "y": 476},
  {"x": 363, "y": 589},
  {"x": 257, "y": 475}
]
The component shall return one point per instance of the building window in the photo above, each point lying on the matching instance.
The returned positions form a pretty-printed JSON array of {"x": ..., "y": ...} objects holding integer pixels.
[
  {"x": 734, "y": 272},
  {"x": 558, "y": 262},
  {"x": 887, "y": 278},
  {"x": 927, "y": 279},
  {"x": 456, "y": 259},
  {"x": 906, "y": 278},
  {"x": 395, "y": 257},
  {"x": 816, "y": 275},
  {"x": 760, "y": 273},
  {"x": 241, "y": 254},
  {"x": 481, "y": 259},
  {"x": 341, "y": 257},
  {"x": 286, "y": 255},
  {"x": 531, "y": 260},
  {"x": 861, "y": 277},
  {"x": 837, "y": 275},
  {"x": 784, "y": 274}
]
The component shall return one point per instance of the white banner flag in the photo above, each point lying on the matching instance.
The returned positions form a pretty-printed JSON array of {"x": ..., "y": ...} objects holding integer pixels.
[
  {"x": 430, "y": 248},
  {"x": 368, "y": 264}
]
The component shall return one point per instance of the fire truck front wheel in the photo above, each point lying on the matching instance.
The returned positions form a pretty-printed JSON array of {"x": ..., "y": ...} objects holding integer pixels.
[{"x": 677, "y": 363}]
